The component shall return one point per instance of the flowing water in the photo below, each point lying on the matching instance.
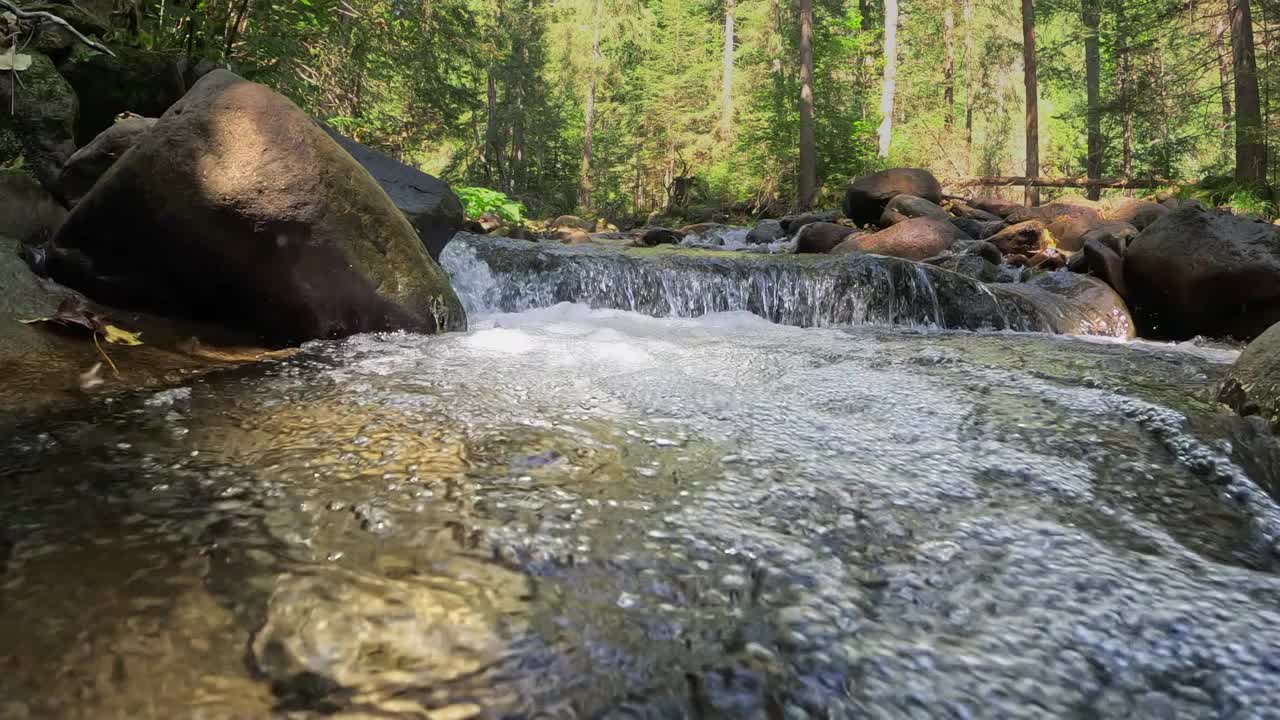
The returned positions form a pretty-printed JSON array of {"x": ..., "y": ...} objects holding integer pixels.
[{"x": 572, "y": 512}]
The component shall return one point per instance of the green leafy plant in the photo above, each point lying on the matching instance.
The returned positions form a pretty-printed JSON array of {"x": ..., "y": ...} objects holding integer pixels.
[{"x": 477, "y": 201}]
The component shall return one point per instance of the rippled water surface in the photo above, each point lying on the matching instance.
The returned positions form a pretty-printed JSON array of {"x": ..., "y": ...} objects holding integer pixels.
[{"x": 577, "y": 513}]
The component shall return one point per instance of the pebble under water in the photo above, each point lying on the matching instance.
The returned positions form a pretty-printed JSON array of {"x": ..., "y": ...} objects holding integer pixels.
[{"x": 572, "y": 513}]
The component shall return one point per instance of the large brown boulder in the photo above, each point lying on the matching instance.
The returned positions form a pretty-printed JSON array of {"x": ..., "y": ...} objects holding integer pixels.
[
  {"x": 1253, "y": 385},
  {"x": 237, "y": 209},
  {"x": 431, "y": 206},
  {"x": 1138, "y": 213},
  {"x": 1067, "y": 223},
  {"x": 866, "y": 197},
  {"x": 914, "y": 239},
  {"x": 92, "y": 161},
  {"x": 38, "y": 133},
  {"x": 1025, "y": 238},
  {"x": 1196, "y": 272},
  {"x": 821, "y": 237}
]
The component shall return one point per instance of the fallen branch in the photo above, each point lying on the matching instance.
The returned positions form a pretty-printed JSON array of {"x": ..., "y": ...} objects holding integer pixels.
[
  {"x": 1117, "y": 183},
  {"x": 50, "y": 17}
]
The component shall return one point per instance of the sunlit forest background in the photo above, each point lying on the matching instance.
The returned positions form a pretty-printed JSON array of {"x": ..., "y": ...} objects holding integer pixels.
[{"x": 613, "y": 106}]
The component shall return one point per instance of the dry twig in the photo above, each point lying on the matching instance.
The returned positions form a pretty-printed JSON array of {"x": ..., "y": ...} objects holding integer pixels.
[{"x": 50, "y": 17}]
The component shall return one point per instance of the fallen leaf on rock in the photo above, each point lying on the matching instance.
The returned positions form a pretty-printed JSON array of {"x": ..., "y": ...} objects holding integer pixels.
[
  {"x": 11, "y": 59},
  {"x": 195, "y": 348},
  {"x": 72, "y": 315},
  {"x": 91, "y": 378}
]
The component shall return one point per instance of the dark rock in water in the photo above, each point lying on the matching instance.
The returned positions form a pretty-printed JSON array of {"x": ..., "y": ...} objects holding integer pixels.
[
  {"x": 766, "y": 231},
  {"x": 970, "y": 266},
  {"x": 1078, "y": 263},
  {"x": 660, "y": 236},
  {"x": 92, "y": 161},
  {"x": 792, "y": 223},
  {"x": 40, "y": 128},
  {"x": 802, "y": 290},
  {"x": 28, "y": 213},
  {"x": 982, "y": 249},
  {"x": 142, "y": 82},
  {"x": 1194, "y": 272},
  {"x": 979, "y": 229},
  {"x": 237, "y": 209},
  {"x": 1253, "y": 385},
  {"x": 821, "y": 237},
  {"x": 572, "y": 221},
  {"x": 1068, "y": 223},
  {"x": 1075, "y": 304},
  {"x": 911, "y": 206},
  {"x": 1115, "y": 235},
  {"x": 1105, "y": 264},
  {"x": 866, "y": 197},
  {"x": 434, "y": 211},
  {"x": 1024, "y": 238},
  {"x": 1138, "y": 213},
  {"x": 914, "y": 239}
]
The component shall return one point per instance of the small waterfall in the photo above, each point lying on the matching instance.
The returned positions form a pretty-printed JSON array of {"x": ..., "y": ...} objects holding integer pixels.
[{"x": 493, "y": 274}]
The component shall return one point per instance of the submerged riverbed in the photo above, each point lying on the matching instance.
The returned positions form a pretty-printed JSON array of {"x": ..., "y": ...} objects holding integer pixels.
[{"x": 592, "y": 513}]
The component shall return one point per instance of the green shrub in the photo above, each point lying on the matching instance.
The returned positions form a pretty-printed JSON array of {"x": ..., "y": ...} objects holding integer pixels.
[{"x": 477, "y": 201}]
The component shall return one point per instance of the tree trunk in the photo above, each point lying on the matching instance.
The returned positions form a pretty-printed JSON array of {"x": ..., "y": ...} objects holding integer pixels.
[
  {"x": 890, "y": 75},
  {"x": 969, "y": 86},
  {"x": 1090, "y": 13},
  {"x": 589, "y": 119},
  {"x": 234, "y": 30},
  {"x": 808, "y": 164},
  {"x": 1124, "y": 69},
  {"x": 1033, "y": 104},
  {"x": 726, "y": 98},
  {"x": 1224, "y": 70},
  {"x": 1250, "y": 149},
  {"x": 948, "y": 67},
  {"x": 491, "y": 129}
]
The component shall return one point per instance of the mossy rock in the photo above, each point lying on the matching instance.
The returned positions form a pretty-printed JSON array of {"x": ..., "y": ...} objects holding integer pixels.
[
  {"x": 42, "y": 122},
  {"x": 143, "y": 82},
  {"x": 1253, "y": 385}
]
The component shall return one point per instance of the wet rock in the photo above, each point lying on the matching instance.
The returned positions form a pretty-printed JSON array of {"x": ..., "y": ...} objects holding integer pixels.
[
  {"x": 821, "y": 237},
  {"x": 914, "y": 239},
  {"x": 1075, "y": 304},
  {"x": 28, "y": 213},
  {"x": 970, "y": 266},
  {"x": 1067, "y": 223},
  {"x": 1105, "y": 264},
  {"x": 911, "y": 206},
  {"x": 431, "y": 206},
  {"x": 1115, "y": 235},
  {"x": 572, "y": 221},
  {"x": 40, "y": 128},
  {"x": 1078, "y": 263},
  {"x": 979, "y": 229},
  {"x": 142, "y": 82},
  {"x": 889, "y": 218},
  {"x": 660, "y": 236},
  {"x": 1025, "y": 238},
  {"x": 766, "y": 231},
  {"x": 1253, "y": 385},
  {"x": 1194, "y": 272},
  {"x": 249, "y": 206},
  {"x": 982, "y": 249},
  {"x": 792, "y": 223},
  {"x": 92, "y": 161},
  {"x": 866, "y": 197},
  {"x": 1138, "y": 213}
]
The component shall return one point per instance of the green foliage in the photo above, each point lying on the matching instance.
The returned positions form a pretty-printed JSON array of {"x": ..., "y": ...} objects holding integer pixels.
[{"x": 477, "y": 201}]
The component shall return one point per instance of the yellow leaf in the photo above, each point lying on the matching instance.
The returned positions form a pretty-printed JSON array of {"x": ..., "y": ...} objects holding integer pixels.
[{"x": 116, "y": 336}]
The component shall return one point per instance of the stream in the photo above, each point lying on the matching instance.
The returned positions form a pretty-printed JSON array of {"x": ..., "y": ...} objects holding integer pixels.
[{"x": 572, "y": 511}]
